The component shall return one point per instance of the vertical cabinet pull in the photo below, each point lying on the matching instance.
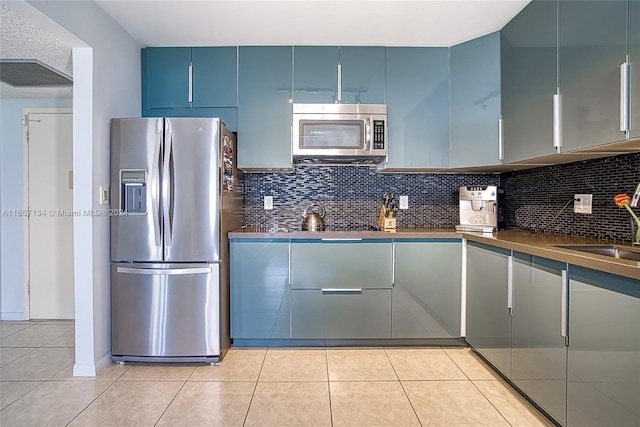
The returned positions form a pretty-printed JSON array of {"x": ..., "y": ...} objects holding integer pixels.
[
  {"x": 500, "y": 139},
  {"x": 564, "y": 311},
  {"x": 557, "y": 121},
  {"x": 339, "y": 94},
  {"x": 190, "y": 83},
  {"x": 510, "y": 283},
  {"x": 625, "y": 124}
]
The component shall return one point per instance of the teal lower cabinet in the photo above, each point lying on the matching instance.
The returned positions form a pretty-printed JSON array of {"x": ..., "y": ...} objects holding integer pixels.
[
  {"x": 567, "y": 337},
  {"x": 427, "y": 288},
  {"x": 340, "y": 313},
  {"x": 341, "y": 289},
  {"x": 259, "y": 289},
  {"x": 603, "y": 387},
  {"x": 538, "y": 330},
  {"x": 488, "y": 311}
]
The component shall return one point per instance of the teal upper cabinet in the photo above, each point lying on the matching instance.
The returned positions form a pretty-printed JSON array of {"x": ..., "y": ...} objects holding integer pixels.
[
  {"x": 190, "y": 82},
  {"x": 182, "y": 77},
  {"x": 264, "y": 108},
  {"x": 165, "y": 77},
  {"x": 593, "y": 42},
  {"x": 475, "y": 102},
  {"x": 316, "y": 74},
  {"x": 215, "y": 76},
  {"x": 529, "y": 81},
  {"x": 418, "y": 107},
  {"x": 363, "y": 74},
  {"x": 634, "y": 56}
]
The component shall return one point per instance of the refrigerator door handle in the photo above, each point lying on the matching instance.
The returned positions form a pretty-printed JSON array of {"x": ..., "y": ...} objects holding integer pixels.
[
  {"x": 155, "y": 182},
  {"x": 165, "y": 271},
  {"x": 166, "y": 186}
]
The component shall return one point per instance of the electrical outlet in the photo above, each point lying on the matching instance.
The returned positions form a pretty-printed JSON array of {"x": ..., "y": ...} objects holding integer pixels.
[
  {"x": 404, "y": 202},
  {"x": 582, "y": 203},
  {"x": 268, "y": 202}
]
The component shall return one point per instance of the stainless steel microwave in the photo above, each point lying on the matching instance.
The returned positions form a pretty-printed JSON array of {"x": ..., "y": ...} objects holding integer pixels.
[{"x": 347, "y": 132}]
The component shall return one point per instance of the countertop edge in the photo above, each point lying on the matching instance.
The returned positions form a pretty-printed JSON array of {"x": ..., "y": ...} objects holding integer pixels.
[
  {"x": 311, "y": 235},
  {"x": 544, "y": 246}
]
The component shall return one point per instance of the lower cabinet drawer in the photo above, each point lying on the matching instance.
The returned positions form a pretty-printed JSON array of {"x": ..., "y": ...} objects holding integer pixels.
[{"x": 340, "y": 313}]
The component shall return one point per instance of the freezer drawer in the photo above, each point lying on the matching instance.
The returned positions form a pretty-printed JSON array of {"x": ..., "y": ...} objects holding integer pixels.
[{"x": 165, "y": 312}]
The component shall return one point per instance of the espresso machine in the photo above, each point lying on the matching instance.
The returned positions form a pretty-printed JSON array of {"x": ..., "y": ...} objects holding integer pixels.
[{"x": 481, "y": 208}]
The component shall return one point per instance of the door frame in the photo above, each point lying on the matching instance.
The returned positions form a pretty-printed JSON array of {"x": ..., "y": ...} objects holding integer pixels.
[{"x": 25, "y": 188}]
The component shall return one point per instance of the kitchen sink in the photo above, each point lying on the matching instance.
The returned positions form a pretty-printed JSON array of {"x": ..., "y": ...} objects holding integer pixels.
[{"x": 614, "y": 251}]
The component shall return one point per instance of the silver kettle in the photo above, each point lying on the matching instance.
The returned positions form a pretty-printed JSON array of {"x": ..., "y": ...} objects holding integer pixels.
[{"x": 313, "y": 221}]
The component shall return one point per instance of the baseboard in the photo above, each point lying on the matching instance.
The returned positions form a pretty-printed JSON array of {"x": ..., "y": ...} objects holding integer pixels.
[
  {"x": 13, "y": 316},
  {"x": 84, "y": 370}
]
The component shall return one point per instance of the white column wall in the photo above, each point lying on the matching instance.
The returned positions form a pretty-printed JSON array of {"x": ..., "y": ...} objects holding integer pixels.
[{"x": 106, "y": 68}]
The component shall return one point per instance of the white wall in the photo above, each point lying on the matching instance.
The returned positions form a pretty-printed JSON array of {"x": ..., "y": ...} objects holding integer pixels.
[
  {"x": 106, "y": 69},
  {"x": 12, "y": 277}
]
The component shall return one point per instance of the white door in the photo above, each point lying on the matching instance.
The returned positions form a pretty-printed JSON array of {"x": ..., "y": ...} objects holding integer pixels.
[{"x": 50, "y": 137}]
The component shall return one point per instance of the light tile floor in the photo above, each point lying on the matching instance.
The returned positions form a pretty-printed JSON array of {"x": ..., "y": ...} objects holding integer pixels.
[{"x": 253, "y": 387}]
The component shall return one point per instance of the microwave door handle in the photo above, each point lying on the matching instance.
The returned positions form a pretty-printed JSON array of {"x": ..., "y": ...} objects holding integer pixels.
[{"x": 367, "y": 133}]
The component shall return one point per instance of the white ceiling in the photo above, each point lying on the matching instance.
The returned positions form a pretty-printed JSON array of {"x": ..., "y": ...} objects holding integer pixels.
[{"x": 310, "y": 22}]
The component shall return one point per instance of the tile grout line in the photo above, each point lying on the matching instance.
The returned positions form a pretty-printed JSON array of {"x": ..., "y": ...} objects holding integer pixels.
[
  {"x": 91, "y": 403},
  {"x": 326, "y": 361},
  {"x": 402, "y": 385},
  {"x": 176, "y": 395},
  {"x": 480, "y": 391},
  {"x": 255, "y": 387}
]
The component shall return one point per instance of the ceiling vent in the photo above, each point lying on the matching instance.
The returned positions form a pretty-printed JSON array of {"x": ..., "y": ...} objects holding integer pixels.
[{"x": 31, "y": 73}]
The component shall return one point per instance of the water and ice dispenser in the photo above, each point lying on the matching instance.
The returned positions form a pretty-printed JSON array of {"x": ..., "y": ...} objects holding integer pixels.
[{"x": 133, "y": 191}]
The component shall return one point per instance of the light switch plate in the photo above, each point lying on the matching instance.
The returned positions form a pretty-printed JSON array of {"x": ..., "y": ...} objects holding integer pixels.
[
  {"x": 268, "y": 202},
  {"x": 105, "y": 195},
  {"x": 404, "y": 202},
  {"x": 582, "y": 203}
]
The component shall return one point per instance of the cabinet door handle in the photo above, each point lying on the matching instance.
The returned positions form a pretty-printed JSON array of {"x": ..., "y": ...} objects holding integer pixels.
[
  {"x": 500, "y": 139},
  {"x": 564, "y": 319},
  {"x": 190, "y": 83},
  {"x": 341, "y": 291},
  {"x": 510, "y": 283},
  {"x": 624, "y": 97},
  {"x": 341, "y": 239},
  {"x": 339, "y": 94},
  {"x": 557, "y": 121}
]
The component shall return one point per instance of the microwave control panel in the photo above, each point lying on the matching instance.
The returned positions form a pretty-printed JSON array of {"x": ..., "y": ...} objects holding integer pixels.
[{"x": 378, "y": 134}]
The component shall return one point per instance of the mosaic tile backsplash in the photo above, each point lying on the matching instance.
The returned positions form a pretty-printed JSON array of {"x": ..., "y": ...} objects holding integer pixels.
[
  {"x": 534, "y": 198},
  {"x": 352, "y": 195}
]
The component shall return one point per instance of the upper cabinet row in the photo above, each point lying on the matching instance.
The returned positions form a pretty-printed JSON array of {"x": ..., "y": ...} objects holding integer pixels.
[
  {"x": 565, "y": 85},
  {"x": 552, "y": 80}
]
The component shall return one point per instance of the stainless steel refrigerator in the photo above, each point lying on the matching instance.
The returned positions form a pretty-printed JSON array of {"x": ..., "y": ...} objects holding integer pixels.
[{"x": 174, "y": 196}]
